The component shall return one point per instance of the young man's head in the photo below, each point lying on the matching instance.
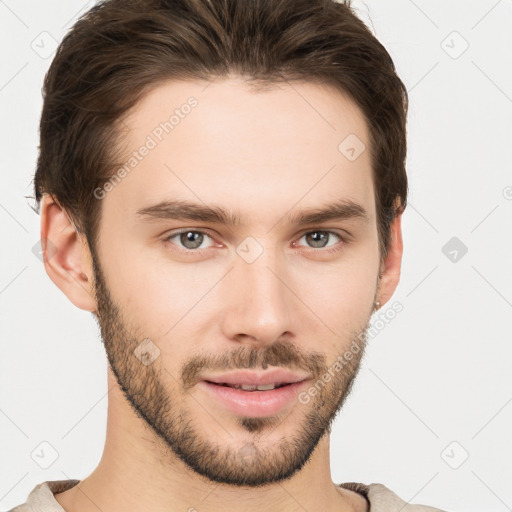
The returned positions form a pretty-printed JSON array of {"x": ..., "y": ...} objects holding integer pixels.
[{"x": 235, "y": 176}]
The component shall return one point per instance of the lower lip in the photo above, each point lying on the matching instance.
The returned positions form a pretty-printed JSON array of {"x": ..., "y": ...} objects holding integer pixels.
[{"x": 254, "y": 403}]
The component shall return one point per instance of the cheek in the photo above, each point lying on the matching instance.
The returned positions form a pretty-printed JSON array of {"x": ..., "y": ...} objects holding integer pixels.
[
  {"x": 343, "y": 302},
  {"x": 154, "y": 294},
  {"x": 342, "y": 295}
]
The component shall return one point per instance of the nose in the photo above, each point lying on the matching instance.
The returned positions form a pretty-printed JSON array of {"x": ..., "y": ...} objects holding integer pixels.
[{"x": 257, "y": 304}]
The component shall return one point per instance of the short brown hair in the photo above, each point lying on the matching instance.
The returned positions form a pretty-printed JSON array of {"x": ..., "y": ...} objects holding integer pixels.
[{"x": 120, "y": 49}]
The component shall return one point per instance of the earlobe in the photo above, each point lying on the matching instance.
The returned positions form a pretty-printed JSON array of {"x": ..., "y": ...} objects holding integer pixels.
[
  {"x": 66, "y": 256},
  {"x": 391, "y": 266}
]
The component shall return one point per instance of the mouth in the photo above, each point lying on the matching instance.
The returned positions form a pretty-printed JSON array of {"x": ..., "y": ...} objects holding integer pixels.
[
  {"x": 253, "y": 400},
  {"x": 250, "y": 387}
]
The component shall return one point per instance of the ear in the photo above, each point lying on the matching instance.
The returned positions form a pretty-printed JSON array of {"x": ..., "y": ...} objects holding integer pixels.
[
  {"x": 66, "y": 255},
  {"x": 391, "y": 266}
]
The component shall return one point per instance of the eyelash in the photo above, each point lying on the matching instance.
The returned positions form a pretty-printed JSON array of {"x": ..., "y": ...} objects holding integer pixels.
[{"x": 344, "y": 240}]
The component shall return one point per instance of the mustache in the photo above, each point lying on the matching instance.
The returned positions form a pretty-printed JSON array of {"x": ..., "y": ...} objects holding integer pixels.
[{"x": 281, "y": 354}]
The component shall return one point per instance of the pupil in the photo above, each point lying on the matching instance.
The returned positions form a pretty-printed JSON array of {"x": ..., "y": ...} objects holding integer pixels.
[
  {"x": 191, "y": 236},
  {"x": 315, "y": 236}
]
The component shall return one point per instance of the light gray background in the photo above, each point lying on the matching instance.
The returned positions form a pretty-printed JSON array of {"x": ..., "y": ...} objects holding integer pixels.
[{"x": 435, "y": 386}]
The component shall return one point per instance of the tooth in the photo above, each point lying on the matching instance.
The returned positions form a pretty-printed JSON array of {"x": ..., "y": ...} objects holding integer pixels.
[
  {"x": 248, "y": 387},
  {"x": 266, "y": 387}
]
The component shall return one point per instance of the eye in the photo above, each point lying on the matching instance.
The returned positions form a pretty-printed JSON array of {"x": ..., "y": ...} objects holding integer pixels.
[
  {"x": 319, "y": 239},
  {"x": 191, "y": 239}
]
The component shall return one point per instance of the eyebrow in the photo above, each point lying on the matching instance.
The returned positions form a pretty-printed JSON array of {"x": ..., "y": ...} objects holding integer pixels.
[{"x": 342, "y": 209}]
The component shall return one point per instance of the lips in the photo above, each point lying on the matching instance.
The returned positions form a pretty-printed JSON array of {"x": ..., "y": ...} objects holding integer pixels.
[
  {"x": 253, "y": 403},
  {"x": 277, "y": 377}
]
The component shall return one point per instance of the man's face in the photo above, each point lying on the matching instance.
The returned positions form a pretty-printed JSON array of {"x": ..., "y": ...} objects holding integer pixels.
[{"x": 183, "y": 300}]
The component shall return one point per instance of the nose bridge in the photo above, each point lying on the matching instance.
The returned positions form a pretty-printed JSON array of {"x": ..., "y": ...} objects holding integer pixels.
[{"x": 260, "y": 302}]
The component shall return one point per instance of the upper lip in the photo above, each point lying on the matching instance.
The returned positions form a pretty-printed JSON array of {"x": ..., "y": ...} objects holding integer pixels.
[{"x": 251, "y": 378}]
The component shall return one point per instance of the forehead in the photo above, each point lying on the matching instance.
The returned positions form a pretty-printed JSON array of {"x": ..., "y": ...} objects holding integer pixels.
[{"x": 223, "y": 142}]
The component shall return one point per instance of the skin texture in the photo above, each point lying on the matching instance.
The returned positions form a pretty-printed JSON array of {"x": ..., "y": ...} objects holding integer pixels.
[{"x": 264, "y": 155}]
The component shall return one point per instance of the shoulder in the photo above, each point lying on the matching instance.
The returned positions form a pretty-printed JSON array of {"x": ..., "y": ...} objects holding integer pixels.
[
  {"x": 41, "y": 498},
  {"x": 382, "y": 499}
]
